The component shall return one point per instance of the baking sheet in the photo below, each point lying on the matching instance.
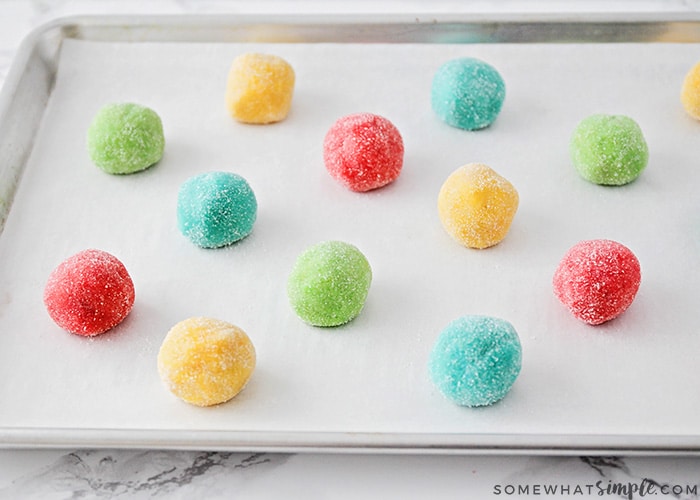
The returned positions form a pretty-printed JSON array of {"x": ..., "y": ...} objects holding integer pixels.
[{"x": 632, "y": 382}]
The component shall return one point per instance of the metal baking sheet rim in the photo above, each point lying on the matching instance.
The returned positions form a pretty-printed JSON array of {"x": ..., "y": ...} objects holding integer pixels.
[
  {"x": 338, "y": 442},
  {"x": 27, "y": 89}
]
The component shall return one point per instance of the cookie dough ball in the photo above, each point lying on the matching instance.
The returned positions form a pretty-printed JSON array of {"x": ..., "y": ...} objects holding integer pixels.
[
  {"x": 216, "y": 209},
  {"x": 690, "y": 92},
  {"x": 363, "y": 151},
  {"x": 609, "y": 149},
  {"x": 89, "y": 293},
  {"x": 329, "y": 283},
  {"x": 597, "y": 280},
  {"x": 125, "y": 138},
  {"x": 476, "y": 360},
  {"x": 206, "y": 361},
  {"x": 476, "y": 206},
  {"x": 259, "y": 88},
  {"x": 467, "y": 93}
]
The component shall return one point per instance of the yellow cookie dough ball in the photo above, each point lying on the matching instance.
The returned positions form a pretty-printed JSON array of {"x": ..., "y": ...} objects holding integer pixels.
[
  {"x": 690, "y": 93},
  {"x": 206, "y": 361},
  {"x": 476, "y": 206},
  {"x": 259, "y": 88}
]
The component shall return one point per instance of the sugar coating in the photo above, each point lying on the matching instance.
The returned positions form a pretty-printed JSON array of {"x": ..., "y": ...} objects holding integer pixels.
[
  {"x": 609, "y": 149},
  {"x": 476, "y": 360},
  {"x": 690, "y": 92},
  {"x": 477, "y": 206},
  {"x": 259, "y": 88},
  {"x": 124, "y": 138},
  {"x": 89, "y": 293},
  {"x": 363, "y": 151},
  {"x": 206, "y": 361},
  {"x": 597, "y": 280},
  {"x": 216, "y": 209},
  {"x": 467, "y": 93},
  {"x": 329, "y": 283}
]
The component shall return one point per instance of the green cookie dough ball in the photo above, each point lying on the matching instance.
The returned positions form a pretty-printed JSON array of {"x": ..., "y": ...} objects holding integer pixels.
[
  {"x": 329, "y": 283},
  {"x": 609, "y": 149},
  {"x": 125, "y": 138}
]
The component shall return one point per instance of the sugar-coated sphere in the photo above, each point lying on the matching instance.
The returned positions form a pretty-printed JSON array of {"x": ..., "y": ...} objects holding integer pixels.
[
  {"x": 216, "y": 209},
  {"x": 476, "y": 360},
  {"x": 477, "y": 206},
  {"x": 259, "y": 88},
  {"x": 690, "y": 92},
  {"x": 329, "y": 283},
  {"x": 124, "y": 138},
  {"x": 597, "y": 280},
  {"x": 609, "y": 149},
  {"x": 363, "y": 151},
  {"x": 467, "y": 93},
  {"x": 206, "y": 361},
  {"x": 89, "y": 293}
]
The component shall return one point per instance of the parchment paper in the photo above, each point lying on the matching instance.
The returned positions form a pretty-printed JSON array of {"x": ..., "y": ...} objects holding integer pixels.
[{"x": 636, "y": 375}]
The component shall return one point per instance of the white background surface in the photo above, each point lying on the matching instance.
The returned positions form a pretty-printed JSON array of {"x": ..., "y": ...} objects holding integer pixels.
[{"x": 109, "y": 473}]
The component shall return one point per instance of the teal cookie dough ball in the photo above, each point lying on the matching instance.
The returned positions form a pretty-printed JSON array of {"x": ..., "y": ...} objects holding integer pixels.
[
  {"x": 329, "y": 283},
  {"x": 216, "y": 209},
  {"x": 124, "y": 138},
  {"x": 467, "y": 93},
  {"x": 476, "y": 360},
  {"x": 609, "y": 149}
]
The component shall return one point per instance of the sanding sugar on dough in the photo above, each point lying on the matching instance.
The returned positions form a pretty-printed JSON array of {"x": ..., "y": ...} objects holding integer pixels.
[
  {"x": 124, "y": 138},
  {"x": 216, "y": 209},
  {"x": 609, "y": 149},
  {"x": 89, "y": 293},
  {"x": 363, "y": 151},
  {"x": 329, "y": 283},
  {"x": 477, "y": 206},
  {"x": 467, "y": 93},
  {"x": 206, "y": 361},
  {"x": 259, "y": 88},
  {"x": 597, "y": 280},
  {"x": 690, "y": 92},
  {"x": 476, "y": 360}
]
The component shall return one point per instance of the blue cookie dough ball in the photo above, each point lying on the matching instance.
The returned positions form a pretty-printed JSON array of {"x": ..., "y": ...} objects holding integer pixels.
[
  {"x": 476, "y": 360},
  {"x": 467, "y": 93},
  {"x": 216, "y": 209}
]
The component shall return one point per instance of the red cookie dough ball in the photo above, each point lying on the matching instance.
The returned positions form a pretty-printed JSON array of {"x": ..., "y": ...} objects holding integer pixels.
[
  {"x": 363, "y": 151},
  {"x": 597, "y": 280},
  {"x": 89, "y": 293}
]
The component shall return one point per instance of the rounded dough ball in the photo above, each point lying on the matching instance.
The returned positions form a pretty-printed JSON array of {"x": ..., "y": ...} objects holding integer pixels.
[
  {"x": 597, "y": 280},
  {"x": 259, "y": 88},
  {"x": 216, "y": 209},
  {"x": 690, "y": 92},
  {"x": 476, "y": 360},
  {"x": 477, "y": 206},
  {"x": 329, "y": 283},
  {"x": 89, "y": 293},
  {"x": 609, "y": 149},
  {"x": 206, "y": 361},
  {"x": 363, "y": 151},
  {"x": 124, "y": 138},
  {"x": 467, "y": 93}
]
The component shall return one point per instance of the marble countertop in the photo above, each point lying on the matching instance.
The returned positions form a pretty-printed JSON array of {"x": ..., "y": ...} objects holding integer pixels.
[{"x": 66, "y": 474}]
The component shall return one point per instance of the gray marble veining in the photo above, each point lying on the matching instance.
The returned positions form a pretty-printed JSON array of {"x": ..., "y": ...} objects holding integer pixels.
[
  {"x": 186, "y": 474},
  {"x": 147, "y": 474}
]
